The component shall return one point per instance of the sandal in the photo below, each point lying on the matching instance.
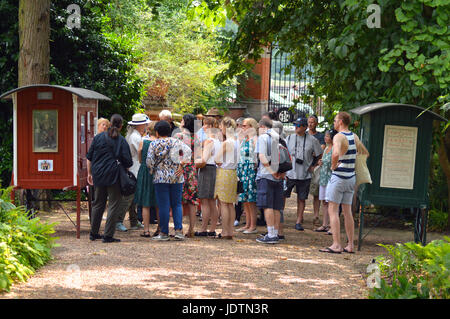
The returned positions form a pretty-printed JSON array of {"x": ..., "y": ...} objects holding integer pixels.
[
  {"x": 322, "y": 229},
  {"x": 212, "y": 234},
  {"x": 201, "y": 234},
  {"x": 146, "y": 234},
  {"x": 156, "y": 233},
  {"x": 330, "y": 251},
  {"x": 218, "y": 236}
]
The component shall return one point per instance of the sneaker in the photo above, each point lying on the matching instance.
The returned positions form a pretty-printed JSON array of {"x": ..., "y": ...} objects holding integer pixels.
[
  {"x": 267, "y": 240},
  {"x": 179, "y": 235},
  {"x": 280, "y": 237},
  {"x": 161, "y": 237},
  {"x": 121, "y": 227},
  {"x": 299, "y": 227},
  {"x": 236, "y": 223},
  {"x": 250, "y": 231},
  {"x": 110, "y": 240},
  {"x": 137, "y": 226}
]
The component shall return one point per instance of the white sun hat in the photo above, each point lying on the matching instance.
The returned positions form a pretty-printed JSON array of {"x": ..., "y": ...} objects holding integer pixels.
[{"x": 139, "y": 119}]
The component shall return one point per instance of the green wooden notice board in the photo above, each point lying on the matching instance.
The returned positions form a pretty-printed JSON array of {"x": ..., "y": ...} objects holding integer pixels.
[{"x": 399, "y": 143}]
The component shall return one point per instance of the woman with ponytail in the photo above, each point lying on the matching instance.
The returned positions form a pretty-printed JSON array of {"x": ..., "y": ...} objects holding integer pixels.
[{"x": 103, "y": 173}]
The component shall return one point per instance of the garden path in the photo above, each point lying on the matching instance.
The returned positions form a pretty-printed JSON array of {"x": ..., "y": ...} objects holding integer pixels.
[{"x": 203, "y": 267}]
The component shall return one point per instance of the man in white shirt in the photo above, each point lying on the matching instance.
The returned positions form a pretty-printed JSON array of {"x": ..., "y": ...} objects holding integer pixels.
[
  {"x": 269, "y": 183},
  {"x": 303, "y": 148}
]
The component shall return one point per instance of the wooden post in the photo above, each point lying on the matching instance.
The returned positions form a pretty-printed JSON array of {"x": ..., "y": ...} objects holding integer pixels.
[
  {"x": 13, "y": 199},
  {"x": 78, "y": 207}
]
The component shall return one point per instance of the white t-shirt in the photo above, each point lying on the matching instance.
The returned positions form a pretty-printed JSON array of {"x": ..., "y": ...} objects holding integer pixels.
[
  {"x": 264, "y": 142},
  {"x": 134, "y": 139}
]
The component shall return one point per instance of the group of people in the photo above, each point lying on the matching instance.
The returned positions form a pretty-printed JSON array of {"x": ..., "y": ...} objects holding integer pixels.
[{"x": 220, "y": 167}]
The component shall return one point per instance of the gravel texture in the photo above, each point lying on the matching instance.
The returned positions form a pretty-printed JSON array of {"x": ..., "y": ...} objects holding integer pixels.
[{"x": 203, "y": 267}]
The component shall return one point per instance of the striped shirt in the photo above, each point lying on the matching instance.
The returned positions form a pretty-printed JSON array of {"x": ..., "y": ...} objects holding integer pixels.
[{"x": 346, "y": 167}]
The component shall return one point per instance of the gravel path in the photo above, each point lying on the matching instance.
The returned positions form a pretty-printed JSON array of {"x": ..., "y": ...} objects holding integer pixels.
[{"x": 203, "y": 268}]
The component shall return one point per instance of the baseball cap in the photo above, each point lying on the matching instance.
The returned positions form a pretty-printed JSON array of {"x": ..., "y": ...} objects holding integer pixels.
[{"x": 301, "y": 121}]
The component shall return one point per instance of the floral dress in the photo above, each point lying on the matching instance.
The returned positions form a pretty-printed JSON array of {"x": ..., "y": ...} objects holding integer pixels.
[
  {"x": 190, "y": 186},
  {"x": 246, "y": 171}
]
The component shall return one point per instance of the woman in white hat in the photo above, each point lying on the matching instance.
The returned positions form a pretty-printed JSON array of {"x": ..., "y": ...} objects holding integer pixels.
[{"x": 135, "y": 130}]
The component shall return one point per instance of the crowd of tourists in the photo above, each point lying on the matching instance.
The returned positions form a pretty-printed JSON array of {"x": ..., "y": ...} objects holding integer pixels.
[{"x": 218, "y": 169}]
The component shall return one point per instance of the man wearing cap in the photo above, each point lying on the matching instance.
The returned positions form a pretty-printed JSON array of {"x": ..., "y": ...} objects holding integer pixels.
[{"x": 303, "y": 148}]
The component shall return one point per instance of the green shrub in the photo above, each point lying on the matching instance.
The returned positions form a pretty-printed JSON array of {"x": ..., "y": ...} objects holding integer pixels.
[
  {"x": 437, "y": 220},
  {"x": 414, "y": 271},
  {"x": 25, "y": 244}
]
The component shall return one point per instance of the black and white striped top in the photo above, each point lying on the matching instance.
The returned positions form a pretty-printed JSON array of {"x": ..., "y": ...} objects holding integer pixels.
[{"x": 346, "y": 167}]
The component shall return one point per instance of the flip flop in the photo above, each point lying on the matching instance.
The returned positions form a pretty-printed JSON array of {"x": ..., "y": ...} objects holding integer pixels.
[
  {"x": 323, "y": 230},
  {"x": 329, "y": 250},
  {"x": 348, "y": 252}
]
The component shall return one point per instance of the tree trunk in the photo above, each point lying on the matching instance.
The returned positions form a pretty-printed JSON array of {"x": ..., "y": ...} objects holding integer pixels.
[
  {"x": 34, "y": 51},
  {"x": 34, "y": 41}
]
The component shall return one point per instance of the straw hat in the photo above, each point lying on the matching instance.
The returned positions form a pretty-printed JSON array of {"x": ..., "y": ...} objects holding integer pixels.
[
  {"x": 213, "y": 112},
  {"x": 139, "y": 119}
]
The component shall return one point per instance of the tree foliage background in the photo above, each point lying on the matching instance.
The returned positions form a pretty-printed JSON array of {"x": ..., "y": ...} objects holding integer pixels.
[{"x": 84, "y": 57}]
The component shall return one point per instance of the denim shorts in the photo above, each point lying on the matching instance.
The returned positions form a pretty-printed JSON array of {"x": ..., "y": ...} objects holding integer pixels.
[
  {"x": 340, "y": 190},
  {"x": 269, "y": 194}
]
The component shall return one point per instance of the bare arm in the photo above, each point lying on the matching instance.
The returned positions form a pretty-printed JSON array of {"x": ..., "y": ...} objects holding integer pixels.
[
  {"x": 224, "y": 148},
  {"x": 360, "y": 148},
  {"x": 140, "y": 151},
  {"x": 207, "y": 146},
  {"x": 337, "y": 149}
]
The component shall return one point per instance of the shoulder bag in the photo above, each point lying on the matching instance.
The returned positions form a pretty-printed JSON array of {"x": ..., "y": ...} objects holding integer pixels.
[{"x": 127, "y": 180}]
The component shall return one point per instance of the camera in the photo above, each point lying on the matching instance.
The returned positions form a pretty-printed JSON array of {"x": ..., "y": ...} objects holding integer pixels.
[{"x": 299, "y": 161}]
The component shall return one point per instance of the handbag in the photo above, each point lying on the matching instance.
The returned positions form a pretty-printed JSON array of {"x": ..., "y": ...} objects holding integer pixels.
[
  {"x": 127, "y": 180},
  {"x": 361, "y": 170},
  {"x": 240, "y": 187}
]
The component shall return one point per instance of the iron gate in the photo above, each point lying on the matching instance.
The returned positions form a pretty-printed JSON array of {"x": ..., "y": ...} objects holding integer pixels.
[{"x": 286, "y": 89}]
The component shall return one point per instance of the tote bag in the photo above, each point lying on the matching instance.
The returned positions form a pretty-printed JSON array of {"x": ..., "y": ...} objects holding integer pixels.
[{"x": 361, "y": 170}]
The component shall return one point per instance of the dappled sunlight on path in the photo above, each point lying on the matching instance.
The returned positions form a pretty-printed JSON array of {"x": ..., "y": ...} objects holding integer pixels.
[{"x": 200, "y": 267}]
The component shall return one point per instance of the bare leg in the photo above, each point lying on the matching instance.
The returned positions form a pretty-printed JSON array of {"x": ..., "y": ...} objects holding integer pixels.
[
  {"x": 146, "y": 218},
  {"x": 333, "y": 210},
  {"x": 316, "y": 206},
  {"x": 269, "y": 216},
  {"x": 214, "y": 215},
  {"x": 189, "y": 210},
  {"x": 300, "y": 210},
  {"x": 228, "y": 216},
  {"x": 248, "y": 217},
  {"x": 326, "y": 217},
  {"x": 349, "y": 225},
  {"x": 276, "y": 221},
  {"x": 252, "y": 215},
  {"x": 205, "y": 213}
]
